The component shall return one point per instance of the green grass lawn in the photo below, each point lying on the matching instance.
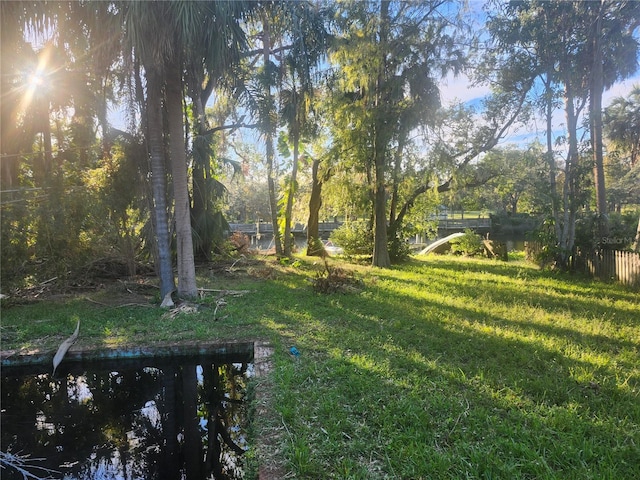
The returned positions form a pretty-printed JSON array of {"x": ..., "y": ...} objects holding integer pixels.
[{"x": 440, "y": 368}]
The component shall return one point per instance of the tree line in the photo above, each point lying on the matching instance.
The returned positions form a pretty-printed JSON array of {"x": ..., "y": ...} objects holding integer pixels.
[{"x": 342, "y": 106}]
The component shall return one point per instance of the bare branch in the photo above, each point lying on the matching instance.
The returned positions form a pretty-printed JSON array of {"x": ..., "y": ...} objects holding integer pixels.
[{"x": 23, "y": 464}]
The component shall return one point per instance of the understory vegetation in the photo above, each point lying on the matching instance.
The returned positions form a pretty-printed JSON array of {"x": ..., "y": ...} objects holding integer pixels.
[{"x": 442, "y": 368}]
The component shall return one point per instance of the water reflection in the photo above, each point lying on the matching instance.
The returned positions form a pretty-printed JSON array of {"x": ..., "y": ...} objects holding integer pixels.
[{"x": 177, "y": 418}]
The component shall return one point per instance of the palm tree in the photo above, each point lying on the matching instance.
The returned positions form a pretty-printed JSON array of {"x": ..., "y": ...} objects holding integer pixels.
[
  {"x": 147, "y": 36},
  {"x": 182, "y": 205},
  {"x": 210, "y": 61},
  {"x": 622, "y": 128},
  {"x": 281, "y": 21},
  {"x": 308, "y": 47},
  {"x": 613, "y": 51},
  {"x": 64, "y": 71},
  {"x": 172, "y": 37},
  {"x": 36, "y": 81},
  {"x": 293, "y": 113},
  {"x": 266, "y": 109},
  {"x": 622, "y": 125}
]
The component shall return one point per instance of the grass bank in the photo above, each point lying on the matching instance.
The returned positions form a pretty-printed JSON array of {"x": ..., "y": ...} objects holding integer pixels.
[{"x": 443, "y": 368}]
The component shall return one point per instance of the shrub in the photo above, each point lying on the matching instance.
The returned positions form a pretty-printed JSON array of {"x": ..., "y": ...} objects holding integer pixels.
[
  {"x": 399, "y": 249},
  {"x": 470, "y": 244},
  {"x": 237, "y": 244},
  {"x": 355, "y": 238},
  {"x": 315, "y": 248},
  {"x": 621, "y": 231},
  {"x": 544, "y": 248}
]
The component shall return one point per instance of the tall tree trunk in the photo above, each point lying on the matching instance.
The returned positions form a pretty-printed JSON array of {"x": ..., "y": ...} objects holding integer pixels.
[
  {"x": 551, "y": 160},
  {"x": 393, "y": 208},
  {"x": 595, "y": 117},
  {"x": 570, "y": 188},
  {"x": 44, "y": 165},
  {"x": 290, "y": 194},
  {"x": 269, "y": 127},
  {"x": 186, "y": 265},
  {"x": 380, "y": 247},
  {"x": 314, "y": 248},
  {"x": 158, "y": 181},
  {"x": 201, "y": 168}
]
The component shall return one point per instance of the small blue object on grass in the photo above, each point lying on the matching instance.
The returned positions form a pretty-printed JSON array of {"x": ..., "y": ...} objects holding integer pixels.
[{"x": 294, "y": 351}]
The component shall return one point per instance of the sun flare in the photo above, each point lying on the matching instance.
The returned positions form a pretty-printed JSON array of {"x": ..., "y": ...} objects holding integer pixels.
[
  {"x": 33, "y": 84},
  {"x": 35, "y": 80}
]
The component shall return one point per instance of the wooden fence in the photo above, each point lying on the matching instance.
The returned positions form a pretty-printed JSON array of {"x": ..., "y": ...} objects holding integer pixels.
[{"x": 623, "y": 267}]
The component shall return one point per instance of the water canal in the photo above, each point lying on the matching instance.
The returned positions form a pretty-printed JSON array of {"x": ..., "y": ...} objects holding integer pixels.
[{"x": 167, "y": 417}]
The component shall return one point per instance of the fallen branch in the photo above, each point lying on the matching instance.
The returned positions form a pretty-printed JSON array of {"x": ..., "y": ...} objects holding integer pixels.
[
  {"x": 183, "y": 308},
  {"x": 134, "y": 305},
  {"x": 233, "y": 293},
  {"x": 119, "y": 306},
  {"x": 64, "y": 347},
  {"x": 230, "y": 269}
]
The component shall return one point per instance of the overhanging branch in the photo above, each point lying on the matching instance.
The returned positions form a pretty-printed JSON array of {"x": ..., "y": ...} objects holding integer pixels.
[
  {"x": 467, "y": 156},
  {"x": 233, "y": 126}
]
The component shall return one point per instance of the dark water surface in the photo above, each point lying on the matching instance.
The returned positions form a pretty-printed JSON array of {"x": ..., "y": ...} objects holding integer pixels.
[{"x": 166, "y": 418}]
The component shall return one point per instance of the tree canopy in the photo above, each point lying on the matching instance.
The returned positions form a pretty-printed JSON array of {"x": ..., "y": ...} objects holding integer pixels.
[{"x": 330, "y": 109}]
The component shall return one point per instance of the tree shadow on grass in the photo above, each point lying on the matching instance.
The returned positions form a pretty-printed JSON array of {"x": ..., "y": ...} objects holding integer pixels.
[
  {"x": 515, "y": 357},
  {"x": 439, "y": 381},
  {"x": 567, "y": 283},
  {"x": 622, "y": 309}
]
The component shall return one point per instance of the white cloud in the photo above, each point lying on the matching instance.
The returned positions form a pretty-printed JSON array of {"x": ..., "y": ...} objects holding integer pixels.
[
  {"x": 460, "y": 89},
  {"x": 620, "y": 89}
]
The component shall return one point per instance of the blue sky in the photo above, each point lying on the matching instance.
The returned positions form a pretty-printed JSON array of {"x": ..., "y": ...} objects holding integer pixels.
[{"x": 460, "y": 89}]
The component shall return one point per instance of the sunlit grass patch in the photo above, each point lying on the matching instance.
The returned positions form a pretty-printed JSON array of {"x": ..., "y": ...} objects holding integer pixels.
[{"x": 469, "y": 369}]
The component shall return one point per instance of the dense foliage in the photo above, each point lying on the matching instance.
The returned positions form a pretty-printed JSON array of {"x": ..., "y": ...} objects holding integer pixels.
[{"x": 136, "y": 149}]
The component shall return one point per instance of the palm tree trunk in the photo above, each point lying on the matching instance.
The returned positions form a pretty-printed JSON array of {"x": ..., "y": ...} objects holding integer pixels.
[
  {"x": 186, "y": 265},
  {"x": 158, "y": 181},
  {"x": 199, "y": 171},
  {"x": 595, "y": 117}
]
